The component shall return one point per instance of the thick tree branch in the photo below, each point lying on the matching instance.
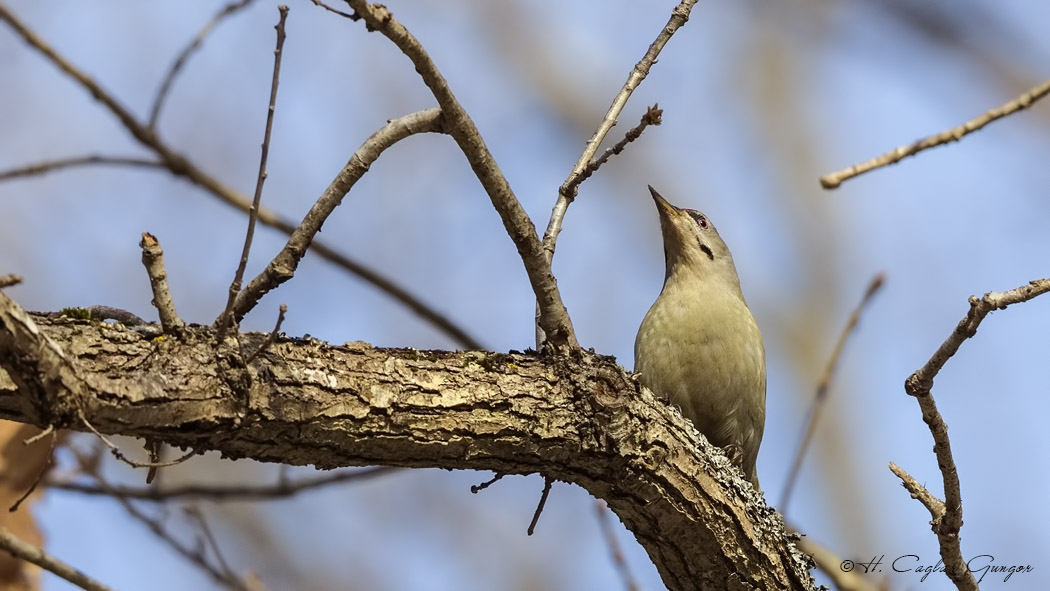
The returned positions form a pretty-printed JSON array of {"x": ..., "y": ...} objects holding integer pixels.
[{"x": 302, "y": 402}]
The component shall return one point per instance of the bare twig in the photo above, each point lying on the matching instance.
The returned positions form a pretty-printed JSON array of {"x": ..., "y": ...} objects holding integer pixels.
[
  {"x": 194, "y": 555},
  {"x": 198, "y": 517},
  {"x": 476, "y": 488},
  {"x": 554, "y": 318},
  {"x": 822, "y": 389},
  {"x": 43, "y": 465},
  {"x": 153, "y": 259},
  {"x": 352, "y": 17},
  {"x": 919, "y": 492},
  {"x": 179, "y": 165},
  {"x": 20, "y": 549},
  {"x": 453, "y": 331},
  {"x": 947, "y": 517},
  {"x": 605, "y": 523},
  {"x": 90, "y": 160},
  {"x": 49, "y": 430},
  {"x": 9, "y": 280},
  {"x": 280, "y": 490},
  {"x": 123, "y": 458},
  {"x": 226, "y": 319},
  {"x": 920, "y": 383},
  {"x": 679, "y": 16},
  {"x": 653, "y": 116},
  {"x": 834, "y": 179},
  {"x": 283, "y": 266},
  {"x": 155, "y": 452},
  {"x": 180, "y": 61},
  {"x": 197, "y": 556},
  {"x": 547, "y": 482},
  {"x": 271, "y": 337}
]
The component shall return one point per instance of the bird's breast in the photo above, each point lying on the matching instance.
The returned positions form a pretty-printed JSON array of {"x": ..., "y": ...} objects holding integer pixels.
[{"x": 705, "y": 354}]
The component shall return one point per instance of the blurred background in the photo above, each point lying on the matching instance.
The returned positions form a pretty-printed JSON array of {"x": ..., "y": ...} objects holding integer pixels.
[{"x": 759, "y": 100}]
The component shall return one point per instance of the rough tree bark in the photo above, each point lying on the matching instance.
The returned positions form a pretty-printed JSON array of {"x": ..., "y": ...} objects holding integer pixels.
[{"x": 304, "y": 402}]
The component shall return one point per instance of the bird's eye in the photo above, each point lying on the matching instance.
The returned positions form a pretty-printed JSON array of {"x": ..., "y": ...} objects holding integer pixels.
[{"x": 701, "y": 219}]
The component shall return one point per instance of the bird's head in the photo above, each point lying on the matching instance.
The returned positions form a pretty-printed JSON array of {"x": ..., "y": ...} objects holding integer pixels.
[{"x": 692, "y": 245}]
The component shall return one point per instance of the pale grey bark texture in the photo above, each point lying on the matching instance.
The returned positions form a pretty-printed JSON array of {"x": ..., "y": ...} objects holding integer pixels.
[{"x": 303, "y": 402}]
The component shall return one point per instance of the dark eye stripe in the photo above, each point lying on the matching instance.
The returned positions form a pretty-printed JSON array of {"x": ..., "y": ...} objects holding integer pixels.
[{"x": 706, "y": 249}]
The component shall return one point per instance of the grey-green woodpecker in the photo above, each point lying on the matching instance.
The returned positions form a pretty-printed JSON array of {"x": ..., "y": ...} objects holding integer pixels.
[{"x": 699, "y": 346}]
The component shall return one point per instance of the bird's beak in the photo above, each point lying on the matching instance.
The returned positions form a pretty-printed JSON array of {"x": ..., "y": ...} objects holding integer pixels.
[{"x": 666, "y": 209}]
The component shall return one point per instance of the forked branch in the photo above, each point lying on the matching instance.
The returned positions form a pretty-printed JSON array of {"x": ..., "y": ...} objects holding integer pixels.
[{"x": 554, "y": 318}]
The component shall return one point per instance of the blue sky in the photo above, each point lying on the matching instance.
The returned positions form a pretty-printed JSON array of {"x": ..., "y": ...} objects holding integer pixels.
[{"x": 759, "y": 100}]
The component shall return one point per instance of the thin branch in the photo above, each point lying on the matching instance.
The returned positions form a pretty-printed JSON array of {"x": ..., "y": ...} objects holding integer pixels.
[
  {"x": 41, "y": 168},
  {"x": 283, "y": 266},
  {"x": 453, "y": 331},
  {"x": 89, "y": 466},
  {"x": 679, "y": 16},
  {"x": 949, "y": 519},
  {"x": 921, "y": 382},
  {"x": 20, "y": 549},
  {"x": 271, "y": 337},
  {"x": 202, "y": 523},
  {"x": 547, "y": 482},
  {"x": 141, "y": 132},
  {"x": 352, "y": 17},
  {"x": 554, "y": 318},
  {"x": 10, "y": 280},
  {"x": 155, "y": 452},
  {"x": 123, "y": 458},
  {"x": 50, "y": 430},
  {"x": 920, "y": 492},
  {"x": 226, "y": 319},
  {"x": 180, "y": 61},
  {"x": 280, "y": 490},
  {"x": 821, "y": 395},
  {"x": 179, "y": 165},
  {"x": 947, "y": 523},
  {"x": 834, "y": 179},
  {"x": 605, "y": 523},
  {"x": 476, "y": 488},
  {"x": 195, "y": 556},
  {"x": 153, "y": 259},
  {"x": 653, "y": 116}
]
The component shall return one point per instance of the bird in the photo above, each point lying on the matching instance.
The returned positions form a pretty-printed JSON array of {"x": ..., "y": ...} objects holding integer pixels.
[{"x": 699, "y": 345}]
